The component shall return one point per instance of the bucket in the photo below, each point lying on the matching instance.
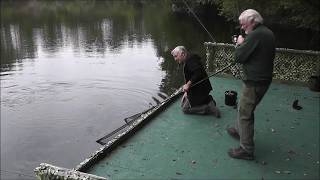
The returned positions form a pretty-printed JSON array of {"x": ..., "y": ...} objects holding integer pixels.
[{"x": 230, "y": 98}]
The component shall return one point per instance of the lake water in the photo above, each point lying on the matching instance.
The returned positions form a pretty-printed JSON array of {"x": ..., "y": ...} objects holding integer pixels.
[{"x": 72, "y": 71}]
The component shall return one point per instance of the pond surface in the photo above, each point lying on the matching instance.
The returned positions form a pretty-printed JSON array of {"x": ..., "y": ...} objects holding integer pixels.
[{"x": 72, "y": 71}]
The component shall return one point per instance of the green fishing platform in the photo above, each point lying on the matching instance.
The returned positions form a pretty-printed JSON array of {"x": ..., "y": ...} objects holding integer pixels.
[
  {"x": 174, "y": 145},
  {"x": 165, "y": 143}
]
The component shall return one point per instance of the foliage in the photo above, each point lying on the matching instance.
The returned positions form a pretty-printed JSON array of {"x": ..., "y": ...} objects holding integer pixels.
[{"x": 296, "y": 13}]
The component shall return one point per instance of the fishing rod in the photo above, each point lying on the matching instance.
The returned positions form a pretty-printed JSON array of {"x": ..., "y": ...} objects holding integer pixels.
[
  {"x": 234, "y": 37},
  {"x": 197, "y": 18},
  {"x": 217, "y": 72}
]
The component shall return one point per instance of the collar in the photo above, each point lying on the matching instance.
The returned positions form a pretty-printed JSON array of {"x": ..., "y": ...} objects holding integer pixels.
[{"x": 256, "y": 26}]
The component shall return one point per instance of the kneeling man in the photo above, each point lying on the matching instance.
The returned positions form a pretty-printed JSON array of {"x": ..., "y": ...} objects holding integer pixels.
[{"x": 196, "y": 99}]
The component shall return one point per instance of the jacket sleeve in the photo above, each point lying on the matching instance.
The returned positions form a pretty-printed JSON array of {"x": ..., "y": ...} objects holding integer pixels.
[{"x": 244, "y": 50}]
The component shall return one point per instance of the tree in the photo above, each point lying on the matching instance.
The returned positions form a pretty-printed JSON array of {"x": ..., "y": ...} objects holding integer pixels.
[{"x": 295, "y": 13}]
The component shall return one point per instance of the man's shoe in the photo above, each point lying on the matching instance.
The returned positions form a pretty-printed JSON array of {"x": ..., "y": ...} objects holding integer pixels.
[
  {"x": 240, "y": 153},
  {"x": 233, "y": 133}
]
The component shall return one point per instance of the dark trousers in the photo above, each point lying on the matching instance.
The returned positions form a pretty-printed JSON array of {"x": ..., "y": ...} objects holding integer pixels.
[
  {"x": 186, "y": 107},
  {"x": 251, "y": 95}
]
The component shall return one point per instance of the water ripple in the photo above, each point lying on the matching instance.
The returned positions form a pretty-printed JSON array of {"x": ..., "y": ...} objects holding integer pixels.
[{"x": 65, "y": 91}]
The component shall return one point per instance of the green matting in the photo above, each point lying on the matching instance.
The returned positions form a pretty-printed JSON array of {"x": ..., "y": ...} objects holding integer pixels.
[{"x": 178, "y": 146}]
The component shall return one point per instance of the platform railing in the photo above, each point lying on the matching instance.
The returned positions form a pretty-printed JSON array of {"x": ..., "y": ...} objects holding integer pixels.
[{"x": 289, "y": 64}]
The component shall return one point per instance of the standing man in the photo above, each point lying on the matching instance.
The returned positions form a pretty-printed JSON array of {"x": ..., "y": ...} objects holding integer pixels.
[
  {"x": 196, "y": 99},
  {"x": 256, "y": 53}
]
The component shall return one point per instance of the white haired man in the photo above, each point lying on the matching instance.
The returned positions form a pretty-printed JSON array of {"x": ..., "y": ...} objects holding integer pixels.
[
  {"x": 196, "y": 99},
  {"x": 256, "y": 53}
]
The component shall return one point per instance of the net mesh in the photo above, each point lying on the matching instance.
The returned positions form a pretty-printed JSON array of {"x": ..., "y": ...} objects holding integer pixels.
[{"x": 289, "y": 64}]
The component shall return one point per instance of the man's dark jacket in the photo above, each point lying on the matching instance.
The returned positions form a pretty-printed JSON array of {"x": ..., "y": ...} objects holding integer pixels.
[
  {"x": 194, "y": 71},
  {"x": 257, "y": 54}
]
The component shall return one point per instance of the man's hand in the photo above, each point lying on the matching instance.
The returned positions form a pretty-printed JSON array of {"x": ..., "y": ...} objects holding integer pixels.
[
  {"x": 240, "y": 40},
  {"x": 186, "y": 87}
]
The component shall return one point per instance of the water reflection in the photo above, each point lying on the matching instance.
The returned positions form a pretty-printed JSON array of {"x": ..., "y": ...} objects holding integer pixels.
[
  {"x": 89, "y": 26},
  {"x": 95, "y": 27}
]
